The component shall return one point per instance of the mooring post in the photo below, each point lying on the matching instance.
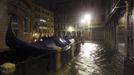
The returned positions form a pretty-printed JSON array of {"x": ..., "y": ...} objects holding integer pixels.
[
  {"x": 73, "y": 48},
  {"x": 58, "y": 58}
]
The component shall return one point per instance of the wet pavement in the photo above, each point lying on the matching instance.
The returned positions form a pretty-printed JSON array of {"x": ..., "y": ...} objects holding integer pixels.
[{"x": 96, "y": 59}]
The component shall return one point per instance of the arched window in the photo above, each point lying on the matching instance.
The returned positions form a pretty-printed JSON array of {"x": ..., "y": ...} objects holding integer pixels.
[
  {"x": 14, "y": 22},
  {"x": 26, "y": 24}
]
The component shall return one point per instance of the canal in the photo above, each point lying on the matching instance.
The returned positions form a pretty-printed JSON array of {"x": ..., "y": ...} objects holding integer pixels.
[{"x": 95, "y": 59}]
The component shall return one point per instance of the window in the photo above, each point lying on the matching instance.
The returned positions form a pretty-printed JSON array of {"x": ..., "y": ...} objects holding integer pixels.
[
  {"x": 14, "y": 22},
  {"x": 26, "y": 24}
]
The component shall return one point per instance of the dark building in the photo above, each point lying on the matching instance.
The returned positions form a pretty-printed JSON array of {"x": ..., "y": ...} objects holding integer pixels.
[
  {"x": 19, "y": 13},
  {"x": 3, "y": 23},
  {"x": 43, "y": 22},
  {"x": 119, "y": 26},
  {"x": 69, "y": 13}
]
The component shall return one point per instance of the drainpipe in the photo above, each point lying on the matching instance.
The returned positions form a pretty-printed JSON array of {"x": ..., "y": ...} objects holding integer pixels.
[
  {"x": 129, "y": 41},
  {"x": 127, "y": 51}
]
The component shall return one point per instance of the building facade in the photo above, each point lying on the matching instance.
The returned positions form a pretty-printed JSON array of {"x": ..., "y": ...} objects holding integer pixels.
[
  {"x": 27, "y": 20},
  {"x": 43, "y": 22},
  {"x": 3, "y": 23},
  {"x": 119, "y": 26},
  {"x": 69, "y": 14},
  {"x": 19, "y": 14}
]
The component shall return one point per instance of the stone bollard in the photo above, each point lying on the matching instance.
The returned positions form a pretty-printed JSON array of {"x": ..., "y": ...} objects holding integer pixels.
[
  {"x": 7, "y": 68},
  {"x": 58, "y": 58},
  {"x": 73, "y": 48}
]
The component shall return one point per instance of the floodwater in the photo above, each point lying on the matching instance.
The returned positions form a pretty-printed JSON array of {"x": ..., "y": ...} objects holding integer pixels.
[{"x": 95, "y": 59}]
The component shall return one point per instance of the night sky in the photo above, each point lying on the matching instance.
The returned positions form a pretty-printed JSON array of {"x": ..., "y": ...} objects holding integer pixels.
[
  {"x": 71, "y": 6},
  {"x": 50, "y": 4}
]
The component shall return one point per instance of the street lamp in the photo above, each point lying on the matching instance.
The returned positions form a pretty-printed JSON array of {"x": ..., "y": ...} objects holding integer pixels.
[
  {"x": 86, "y": 20},
  {"x": 35, "y": 36},
  {"x": 70, "y": 29}
]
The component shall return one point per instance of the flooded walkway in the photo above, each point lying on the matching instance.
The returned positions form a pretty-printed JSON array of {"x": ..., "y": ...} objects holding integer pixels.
[{"x": 95, "y": 59}]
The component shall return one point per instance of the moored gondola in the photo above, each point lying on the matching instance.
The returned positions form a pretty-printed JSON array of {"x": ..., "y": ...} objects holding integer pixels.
[{"x": 50, "y": 44}]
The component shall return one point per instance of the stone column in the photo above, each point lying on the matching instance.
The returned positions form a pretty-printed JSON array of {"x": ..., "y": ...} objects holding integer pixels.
[{"x": 3, "y": 23}]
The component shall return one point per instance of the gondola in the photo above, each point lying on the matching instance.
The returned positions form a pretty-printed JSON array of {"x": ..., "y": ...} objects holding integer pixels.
[
  {"x": 61, "y": 42},
  {"x": 38, "y": 47}
]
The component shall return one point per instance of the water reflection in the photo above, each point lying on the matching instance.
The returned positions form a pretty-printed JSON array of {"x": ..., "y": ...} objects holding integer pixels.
[
  {"x": 95, "y": 59},
  {"x": 85, "y": 61}
]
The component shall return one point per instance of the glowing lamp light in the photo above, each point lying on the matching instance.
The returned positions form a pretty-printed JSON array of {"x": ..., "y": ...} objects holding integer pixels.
[
  {"x": 70, "y": 29},
  {"x": 35, "y": 35},
  {"x": 83, "y": 21},
  {"x": 86, "y": 19},
  {"x": 35, "y": 40}
]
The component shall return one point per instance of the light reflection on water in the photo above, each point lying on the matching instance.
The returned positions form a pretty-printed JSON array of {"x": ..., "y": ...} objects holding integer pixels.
[
  {"x": 87, "y": 50},
  {"x": 94, "y": 59},
  {"x": 85, "y": 61}
]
